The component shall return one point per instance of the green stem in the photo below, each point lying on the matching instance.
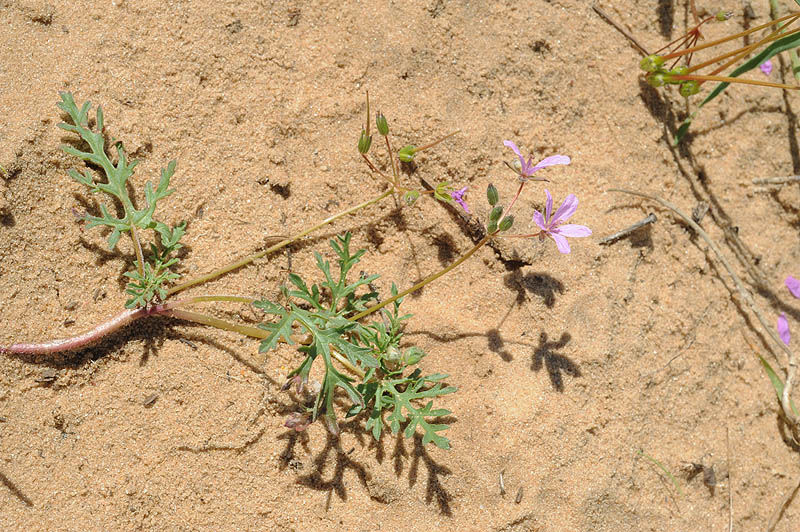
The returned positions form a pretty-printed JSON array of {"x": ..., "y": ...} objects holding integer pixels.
[
  {"x": 138, "y": 247},
  {"x": 204, "y": 319},
  {"x": 282, "y": 244},
  {"x": 425, "y": 281}
]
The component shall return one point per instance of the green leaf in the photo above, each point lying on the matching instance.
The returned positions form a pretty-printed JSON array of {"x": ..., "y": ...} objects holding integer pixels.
[{"x": 776, "y": 381}]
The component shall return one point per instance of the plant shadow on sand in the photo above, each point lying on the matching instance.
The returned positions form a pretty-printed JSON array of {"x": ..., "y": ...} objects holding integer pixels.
[{"x": 327, "y": 469}]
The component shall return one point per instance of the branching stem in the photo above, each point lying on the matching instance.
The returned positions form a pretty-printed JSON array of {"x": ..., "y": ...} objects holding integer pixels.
[{"x": 280, "y": 245}]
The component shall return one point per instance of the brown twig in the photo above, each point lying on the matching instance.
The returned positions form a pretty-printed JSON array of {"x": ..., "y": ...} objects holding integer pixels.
[
  {"x": 777, "y": 180},
  {"x": 776, "y": 516},
  {"x": 746, "y": 296},
  {"x": 622, "y": 30}
]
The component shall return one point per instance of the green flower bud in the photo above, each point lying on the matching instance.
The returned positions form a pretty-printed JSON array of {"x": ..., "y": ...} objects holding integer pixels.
[
  {"x": 406, "y": 154},
  {"x": 410, "y": 197},
  {"x": 722, "y": 16},
  {"x": 393, "y": 358},
  {"x": 441, "y": 192},
  {"x": 496, "y": 213},
  {"x": 689, "y": 88},
  {"x": 492, "y": 195},
  {"x": 383, "y": 125},
  {"x": 492, "y": 227},
  {"x": 413, "y": 355},
  {"x": 680, "y": 71},
  {"x": 506, "y": 223},
  {"x": 656, "y": 80},
  {"x": 651, "y": 63},
  {"x": 364, "y": 142}
]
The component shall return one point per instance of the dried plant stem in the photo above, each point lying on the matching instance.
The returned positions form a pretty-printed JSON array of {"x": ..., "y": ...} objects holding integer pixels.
[
  {"x": 746, "y": 296},
  {"x": 282, "y": 244},
  {"x": 776, "y": 516},
  {"x": 620, "y": 29},
  {"x": 777, "y": 180}
]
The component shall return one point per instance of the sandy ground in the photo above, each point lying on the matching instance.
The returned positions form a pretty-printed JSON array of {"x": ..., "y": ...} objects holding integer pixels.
[{"x": 575, "y": 372}]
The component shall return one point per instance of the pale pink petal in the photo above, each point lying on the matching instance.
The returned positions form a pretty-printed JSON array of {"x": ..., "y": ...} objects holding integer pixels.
[
  {"x": 561, "y": 242},
  {"x": 793, "y": 285},
  {"x": 548, "y": 206},
  {"x": 573, "y": 230},
  {"x": 509, "y": 144},
  {"x": 566, "y": 210},
  {"x": 783, "y": 329},
  {"x": 552, "y": 160},
  {"x": 538, "y": 219}
]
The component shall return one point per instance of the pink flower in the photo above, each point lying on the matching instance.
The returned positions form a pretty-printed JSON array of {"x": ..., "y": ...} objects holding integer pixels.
[
  {"x": 551, "y": 225},
  {"x": 527, "y": 168},
  {"x": 793, "y": 285},
  {"x": 766, "y": 67},
  {"x": 783, "y": 328},
  {"x": 458, "y": 197}
]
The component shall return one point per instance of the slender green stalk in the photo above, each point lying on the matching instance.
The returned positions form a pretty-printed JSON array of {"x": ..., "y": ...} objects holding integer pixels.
[
  {"x": 280, "y": 245},
  {"x": 204, "y": 319},
  {"x": 138, "y": 247},
  {"x": 425, "y": 281}
]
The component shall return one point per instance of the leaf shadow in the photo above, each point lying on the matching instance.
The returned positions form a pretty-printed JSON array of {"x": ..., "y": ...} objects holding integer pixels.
[{"x": 545, "y": 355}]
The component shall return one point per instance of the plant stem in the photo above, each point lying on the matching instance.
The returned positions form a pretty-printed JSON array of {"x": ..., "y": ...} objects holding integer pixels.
[
  {"x": 282, "y": 244},
  {"x": 727, "y": 79},
  {"x": 728, "y": 38},
  {"x": 205, "y": 319},
  {"x": 138, "y": 247},
  {"x": 425, "y": 281},
  {"x": 435, "y": 142}
]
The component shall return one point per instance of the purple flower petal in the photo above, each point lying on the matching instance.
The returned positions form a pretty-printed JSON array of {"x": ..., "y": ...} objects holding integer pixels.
[
  {"x": 573, "y": 230},
  {"x": 566, "y": 210},
  {"x": 538, "y": 219},
  {"x": 458, "y": 197},
  {"x": 793, "y": 285},
  {"x": 783, "y": 329},
  {"x": 552, "y": 160},
  {"x": 561, "y": 243},
  {"x": 509, "y": 144},
  {"x": 548, "y": 206},
  {"x": 766, "y": 67}
]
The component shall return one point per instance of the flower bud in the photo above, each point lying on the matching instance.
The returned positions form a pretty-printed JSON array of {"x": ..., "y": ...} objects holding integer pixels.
[
  {"x": 492, "y": 195},
  {"x": 656, "y": 80},
  {"x": 689, "y": 88},
  {"x": 383, "y": 125},
  {"x": 506, "y": 223},
  {"x": 406, "y": 154},
  {"x": 722, "y": 16},
  {"x": 651, "y": 63},
  {"x": 393, "y": 358},
  {"x": 496, "y": 213},
  {"x": 364, "y": 142},
  {"x": 410, "y": 197},
  {"x": 413, "y": 355},
  {"x": 680, "y": 71}
]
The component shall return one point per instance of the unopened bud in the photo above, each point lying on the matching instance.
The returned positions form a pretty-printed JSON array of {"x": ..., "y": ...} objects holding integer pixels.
[
  {"x": 651, "y": 63},
  {"x": 506, "y": 223},
  {"x": 496, "y": 213},
  {"x": 410, "y": 197},
  {"x": 383, "y": 125},
  {"x": 364, "y": 142},
  {"x": 680, "y": 71},
  {"x": 492, "y": 195},
  {"x": 406, "y": 154},
  {"x": 689, "y": 88},
  {"x": 722, "y": 16},
  {"x": 656, "y": 80},
  {"x": 413, "y": 355}
]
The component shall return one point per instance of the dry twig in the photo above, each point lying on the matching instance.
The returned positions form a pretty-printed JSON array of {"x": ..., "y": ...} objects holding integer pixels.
[{"x": 791, "y": 360}]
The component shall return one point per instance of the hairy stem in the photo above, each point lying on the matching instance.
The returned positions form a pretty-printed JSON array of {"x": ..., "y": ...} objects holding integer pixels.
[
  {"x": 280, "y": 245},
  {"x": 138, "y": 247}
]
